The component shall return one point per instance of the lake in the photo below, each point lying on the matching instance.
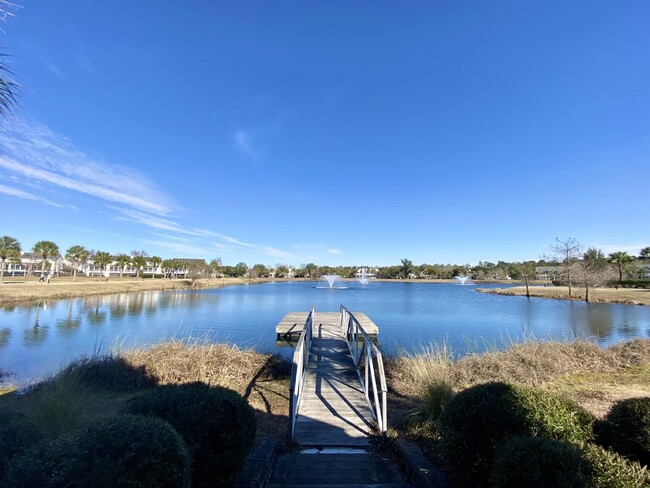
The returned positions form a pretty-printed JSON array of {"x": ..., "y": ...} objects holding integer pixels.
[{"x": 37, "y": 339}]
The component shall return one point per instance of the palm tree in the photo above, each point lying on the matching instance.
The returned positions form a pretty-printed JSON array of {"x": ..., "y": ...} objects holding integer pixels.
[
  {"x": 155, "y": 260},
  {"x": 8, "y": 87},
  {"x": 122, "y": 261},
  {"x": 103, "y": 259},
  {"x": 8, "y": 247},
  {"x": 138, "y": 262},
  {"x": 620, "y": 259},
  {"x": 76, "y": 254},
  {"x": 45, "y": 249}
]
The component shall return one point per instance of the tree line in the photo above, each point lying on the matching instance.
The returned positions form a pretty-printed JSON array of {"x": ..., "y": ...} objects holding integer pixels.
[{"x": 569, "y": 260}]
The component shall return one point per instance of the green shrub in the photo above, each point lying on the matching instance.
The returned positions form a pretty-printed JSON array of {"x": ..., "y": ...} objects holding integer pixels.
[
  {"x": 604, "y": 469},
  {"x": 638, "y": 283},
  {"x": 537, "y": 462},
  {"x": 217, "y": 424},
  {"x": 42, "y": 466},
  {"x": 130, "y": 450},
  {"x": 127, "y": 450},
  {"x": 16, "y": 435},
  {"x": 476, "y": 420},
  {"x": 626, "y": 429}
]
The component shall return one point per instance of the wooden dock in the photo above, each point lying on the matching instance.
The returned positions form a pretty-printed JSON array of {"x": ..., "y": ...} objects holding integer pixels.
[
  {"x": 293, "y": 322},
  {"x": 332, "y": 417},
  {"x": 333, "y": 409}
]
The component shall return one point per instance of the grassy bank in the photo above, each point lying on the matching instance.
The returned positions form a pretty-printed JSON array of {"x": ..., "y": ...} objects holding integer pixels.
[
  {"x": 91, "y": 388},
  {"x": 629, "y": 296},
  {"x": 16, "y": 290},
  {"x": 422, "y": 384}
]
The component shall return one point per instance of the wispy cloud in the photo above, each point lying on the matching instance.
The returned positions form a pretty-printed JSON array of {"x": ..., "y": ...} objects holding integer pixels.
[
  {"x": 43, "y": 57},
  {"x": 34, "y": 157},
  {"x": 245, "y": 144},
  {"x": 632, "y": 249},
  {"x": 15, "y": 192},
  {"x": 83, "y": 61},
  {"x": 334, "y": 251}
]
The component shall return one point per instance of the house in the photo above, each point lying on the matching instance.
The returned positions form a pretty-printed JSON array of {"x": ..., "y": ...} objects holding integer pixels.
[
  {"x": 30, "y": 263},
  {"x": 547, "y": 273}
]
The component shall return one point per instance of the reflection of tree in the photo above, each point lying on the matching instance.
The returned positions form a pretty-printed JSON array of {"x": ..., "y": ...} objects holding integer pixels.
[
  {"x": 69, "y": 324},
  {"x": 599, "y": 320},
  {"x": 5, "y": 334},
  {"x": 96, "y": 317},
  {"x": 35, "y": 335}
]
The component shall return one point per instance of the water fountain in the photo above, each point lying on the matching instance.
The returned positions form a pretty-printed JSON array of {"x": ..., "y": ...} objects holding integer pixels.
[
  {"x": 364, "y": 278},
  {"x": 462, "y": 279},
  {"x": 330, "y": 282}
]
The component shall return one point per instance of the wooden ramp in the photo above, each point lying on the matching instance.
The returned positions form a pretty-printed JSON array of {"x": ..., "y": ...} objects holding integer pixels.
[{"x": 333, "y": 409}]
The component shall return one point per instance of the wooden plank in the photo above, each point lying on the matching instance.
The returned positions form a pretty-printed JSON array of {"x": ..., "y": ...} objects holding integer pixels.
[
  {"x": 333, "y": 409},
  {"x": 293, "y": 322}
]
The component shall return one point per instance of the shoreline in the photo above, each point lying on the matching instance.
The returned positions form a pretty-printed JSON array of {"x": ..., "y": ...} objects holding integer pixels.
[
  {"x": 26, "y": 290},
  {"x": 624, "y": 296}
]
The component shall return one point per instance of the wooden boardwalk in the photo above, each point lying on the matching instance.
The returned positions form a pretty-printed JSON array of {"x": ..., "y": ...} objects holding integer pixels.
[{"x": 333, "y": 409}]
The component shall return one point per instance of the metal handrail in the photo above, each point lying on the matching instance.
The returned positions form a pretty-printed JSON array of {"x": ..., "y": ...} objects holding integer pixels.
[
  {"x": 365, "y": 352},
  {"x": 299, "y": 368}
]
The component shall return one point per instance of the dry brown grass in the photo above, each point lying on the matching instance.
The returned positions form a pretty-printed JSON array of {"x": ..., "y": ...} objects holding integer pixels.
[
  {"x": 595, "y": 377},
  {"x": 629, "y": 296},
  {"x": 263, "y": 379},
  {"x": 16, "y": 290}
]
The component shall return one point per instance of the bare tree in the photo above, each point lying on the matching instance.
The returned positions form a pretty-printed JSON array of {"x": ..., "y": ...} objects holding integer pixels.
[
  {"x": 567, "y": 252},
  {"x": 592, "y": 270}
]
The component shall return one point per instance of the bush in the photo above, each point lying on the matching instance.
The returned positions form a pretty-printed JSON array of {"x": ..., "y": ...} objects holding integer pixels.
[
  {"x": 541, "y": 462},
  {"x": 638, "y": 283},
  {"x": 536, "y": 462},
  {"x": 217, "y": 424},
  {"x": 127, "y": 450},
  {"x": 476, "y": 420},
  {"x": 604, "y": 469},
  {"x": 626, "y": 429},
  {"x": 41, "y": 466},
  {"x": 16, "y": 435}
]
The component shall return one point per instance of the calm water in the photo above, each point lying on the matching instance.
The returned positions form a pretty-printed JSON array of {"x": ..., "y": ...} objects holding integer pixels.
[{"x": 37, "y": 339}]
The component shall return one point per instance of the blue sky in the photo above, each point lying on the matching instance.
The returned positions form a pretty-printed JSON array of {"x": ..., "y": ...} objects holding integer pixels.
[{"x": 328, "y": 132}]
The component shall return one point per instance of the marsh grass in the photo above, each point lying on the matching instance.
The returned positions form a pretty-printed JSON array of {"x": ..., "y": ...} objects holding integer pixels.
[
  {"x": 91, "y": 388},
  {"x": 595, "y": 377},
  {"x": 429, "y": 371},
  {"x": 180, "y": 361}
]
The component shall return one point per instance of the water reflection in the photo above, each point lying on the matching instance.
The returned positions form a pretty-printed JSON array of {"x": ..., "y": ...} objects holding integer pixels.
[
  {"x": 35, "y": 335},
  {"x": 407, "y": 314},
  {"x": 5, "y": 335}
]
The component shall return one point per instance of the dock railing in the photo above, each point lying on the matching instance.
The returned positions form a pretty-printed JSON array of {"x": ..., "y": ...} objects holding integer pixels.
[
  {"x": 298, "y": 369},
  {"x": 370, "y": 365}
]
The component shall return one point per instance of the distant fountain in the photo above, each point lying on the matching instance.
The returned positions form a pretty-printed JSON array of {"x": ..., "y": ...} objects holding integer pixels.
[
  {"x": 331, "y": 279},
  {"x": 364, "y": 278},
  {"x": 462, "y": 279},
  {"x": 330, "y": 282}
]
